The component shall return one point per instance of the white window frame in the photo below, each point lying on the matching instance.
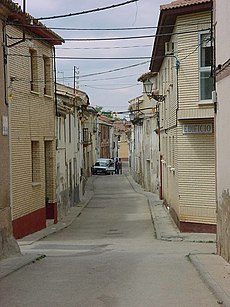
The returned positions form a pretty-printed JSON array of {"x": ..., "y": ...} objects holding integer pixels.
[{"x": 203, "y": 69}]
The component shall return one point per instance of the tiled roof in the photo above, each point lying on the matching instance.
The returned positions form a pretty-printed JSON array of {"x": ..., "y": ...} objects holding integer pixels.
[
  {"x": 182, "y": 3},
  {"x": 16, "y": 15},
  {"x": 168, "y": 15}
]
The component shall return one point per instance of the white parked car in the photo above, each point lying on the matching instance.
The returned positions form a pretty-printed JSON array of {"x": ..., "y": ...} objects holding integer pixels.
[{"x": 103, "y": 166}]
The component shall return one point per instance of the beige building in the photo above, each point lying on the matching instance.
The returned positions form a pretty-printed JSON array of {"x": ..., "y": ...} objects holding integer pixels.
[
  {"x": 8, "y": 244},
  {"x": 182, "y": 57},
  {"x": 122, "y": 140},
  {"x": 89, "y": 139},
  {"x": 104, "y": 137},
  {"x": 144, "y": 149},
  {"x": 222, "y": 13},
  {"x": 32, "y": 123}
]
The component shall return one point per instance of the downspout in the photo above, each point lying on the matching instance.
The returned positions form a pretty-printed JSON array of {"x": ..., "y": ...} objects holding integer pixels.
[
  {"x": 213, "y": 56},
  {"x": 6, "y": 98},
  {"x": 55, "y": 80},
  {"x": 177, "y": 94},
  {"x": 5, "y": 66}
]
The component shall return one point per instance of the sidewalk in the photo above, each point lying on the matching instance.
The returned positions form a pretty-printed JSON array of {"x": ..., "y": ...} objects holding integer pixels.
[
  {"x": 213, "y": 269},
  {"x": 14, "y": 263}
]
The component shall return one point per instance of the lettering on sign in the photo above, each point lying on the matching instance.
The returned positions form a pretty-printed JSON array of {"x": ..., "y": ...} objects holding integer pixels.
[
  {"x": 197, "y": 128},
  {"x": 4, "y": 125}
]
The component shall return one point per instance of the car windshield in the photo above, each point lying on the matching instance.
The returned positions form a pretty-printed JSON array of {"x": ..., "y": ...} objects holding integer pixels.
[{"x": 101, "y": 163}]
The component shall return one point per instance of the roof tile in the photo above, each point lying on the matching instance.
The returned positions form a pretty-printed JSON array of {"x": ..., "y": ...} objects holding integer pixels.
[{"x": 182, "y": 3}]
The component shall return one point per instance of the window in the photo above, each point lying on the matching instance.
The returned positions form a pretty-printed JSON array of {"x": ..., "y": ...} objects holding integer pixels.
[
  {"x": 33, "y": 71},
  {"x": 85, "y": 135},
  {"x": 70, "y": 129},
  {"x": 47, "y": 76},
  {"x": 35, "y": 161},
  {"x": 205, "y": 62},
  {"x": 59, "y": 128}
]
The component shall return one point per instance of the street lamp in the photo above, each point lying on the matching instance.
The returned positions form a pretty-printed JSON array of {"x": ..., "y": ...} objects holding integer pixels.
[
  {"x": 131, "y": 116},
  {"x": 148, "y": 90},
  {"x": 148, "y": 87}
]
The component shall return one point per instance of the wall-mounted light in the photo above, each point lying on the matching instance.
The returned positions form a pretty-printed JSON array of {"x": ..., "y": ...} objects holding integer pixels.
[
  {"x": 149, "y": 91},
  {"x": 131, "y": 116}
]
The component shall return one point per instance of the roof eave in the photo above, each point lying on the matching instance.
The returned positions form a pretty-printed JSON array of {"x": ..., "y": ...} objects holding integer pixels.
[
  {"x": 36, "y": 27},
  {"x": 163, "y": 34}
]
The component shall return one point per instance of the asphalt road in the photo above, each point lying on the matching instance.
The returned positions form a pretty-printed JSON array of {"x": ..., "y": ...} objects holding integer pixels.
[{"x": 109, "y": 257}]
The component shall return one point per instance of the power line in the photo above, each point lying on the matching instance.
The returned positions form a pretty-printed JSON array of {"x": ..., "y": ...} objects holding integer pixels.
[
  {"x": 110, "y": 89},
  {"x": 103, "y": 48},
  {"x": 88, "y": 11},
  {"x": 84, "y": 58},
  {"x": 116, "y": 69},
  {"x": 104, "y": 29},
  {"x": 115, "y": 38},
  {"x": 95, "y": 74},
  {"x": 113, "y": 78}
]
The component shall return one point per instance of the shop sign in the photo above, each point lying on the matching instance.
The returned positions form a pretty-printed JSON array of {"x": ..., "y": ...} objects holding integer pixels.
[{"x": 197, "y": 128}]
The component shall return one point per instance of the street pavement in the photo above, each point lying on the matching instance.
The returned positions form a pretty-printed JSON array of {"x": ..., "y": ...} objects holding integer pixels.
[{"x": 213, "y": 269}]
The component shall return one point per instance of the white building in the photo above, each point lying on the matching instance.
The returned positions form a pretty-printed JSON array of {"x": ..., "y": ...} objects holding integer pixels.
[
  {"x": 144, "y": 144},
  {"x": 70, "y": 159}
]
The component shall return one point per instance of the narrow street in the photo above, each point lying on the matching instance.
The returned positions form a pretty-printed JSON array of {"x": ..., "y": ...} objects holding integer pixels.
[{"x": 109, "y": 256}]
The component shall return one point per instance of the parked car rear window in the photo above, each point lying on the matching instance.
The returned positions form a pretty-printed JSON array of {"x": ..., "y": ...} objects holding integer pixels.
[{"x": 101, "y": 163}]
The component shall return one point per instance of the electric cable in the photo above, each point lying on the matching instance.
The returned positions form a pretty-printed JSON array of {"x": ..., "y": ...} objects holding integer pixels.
[
  {"x": 88, "y": 11},
  {"x": 113, "y": 38},
  {"x": 104, "y": 29}
]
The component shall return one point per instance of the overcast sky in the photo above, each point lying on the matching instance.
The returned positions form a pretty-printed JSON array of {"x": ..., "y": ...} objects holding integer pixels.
[{"x": 111, "y": 90}]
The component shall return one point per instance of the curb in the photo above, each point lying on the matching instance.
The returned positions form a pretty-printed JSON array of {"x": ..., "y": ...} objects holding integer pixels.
[
  {"x": 64, "y": 223},
  {"x": 154, "y": 202},
  {"x": 217, "y": 290},
  {"x": 15, "y": 263}
]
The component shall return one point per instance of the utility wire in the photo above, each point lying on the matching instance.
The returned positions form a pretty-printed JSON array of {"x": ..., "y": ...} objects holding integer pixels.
[
  {"x": 88, "y": 11},
  {"x": 103, "y": 48},
  {"x": 84, "y": 58},
  {"x": 115, "y": 38},
  {"x": 104, "y": 29},
  {"x": 110, "y": 89}
]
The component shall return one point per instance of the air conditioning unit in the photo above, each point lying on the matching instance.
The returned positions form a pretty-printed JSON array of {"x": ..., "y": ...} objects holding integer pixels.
[{"x": 169, "y": 48}]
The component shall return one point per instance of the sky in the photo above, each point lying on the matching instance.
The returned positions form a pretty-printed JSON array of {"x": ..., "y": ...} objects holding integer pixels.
[{"x": 110, "y": 90}]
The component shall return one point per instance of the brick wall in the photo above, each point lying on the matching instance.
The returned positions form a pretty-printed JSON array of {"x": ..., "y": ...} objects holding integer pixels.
[{"x": 32, "y": 122}]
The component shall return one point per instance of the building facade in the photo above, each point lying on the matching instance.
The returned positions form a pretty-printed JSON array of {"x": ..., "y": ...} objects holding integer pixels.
[
  {"x": 32, "y": 123},
  {"x": 182, "y": 58},
  {"x": 104, "y": 137},
  {"x": 121, "y": 142},
  {"x": 144, "y": 148},
  {"x": 8, "y": 244},
  {"x": 69, "y": 155},
  {"x": 221, "y": 15}
]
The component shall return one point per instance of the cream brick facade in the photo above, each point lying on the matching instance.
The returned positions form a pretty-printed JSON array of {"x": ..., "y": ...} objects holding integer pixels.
[
  {"x": 186, "y": 121},
  {"x": 8, "y": 245},
  {"x": 32, "y": 121}
]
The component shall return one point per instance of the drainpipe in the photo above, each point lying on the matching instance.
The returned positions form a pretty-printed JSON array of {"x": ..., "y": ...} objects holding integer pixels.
[
  {"x": 177, "y": 93},
  {"x": 213, "y": 57},
  {"x": 55, "y": 80},
  {"x": 5, "y": 65}
]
